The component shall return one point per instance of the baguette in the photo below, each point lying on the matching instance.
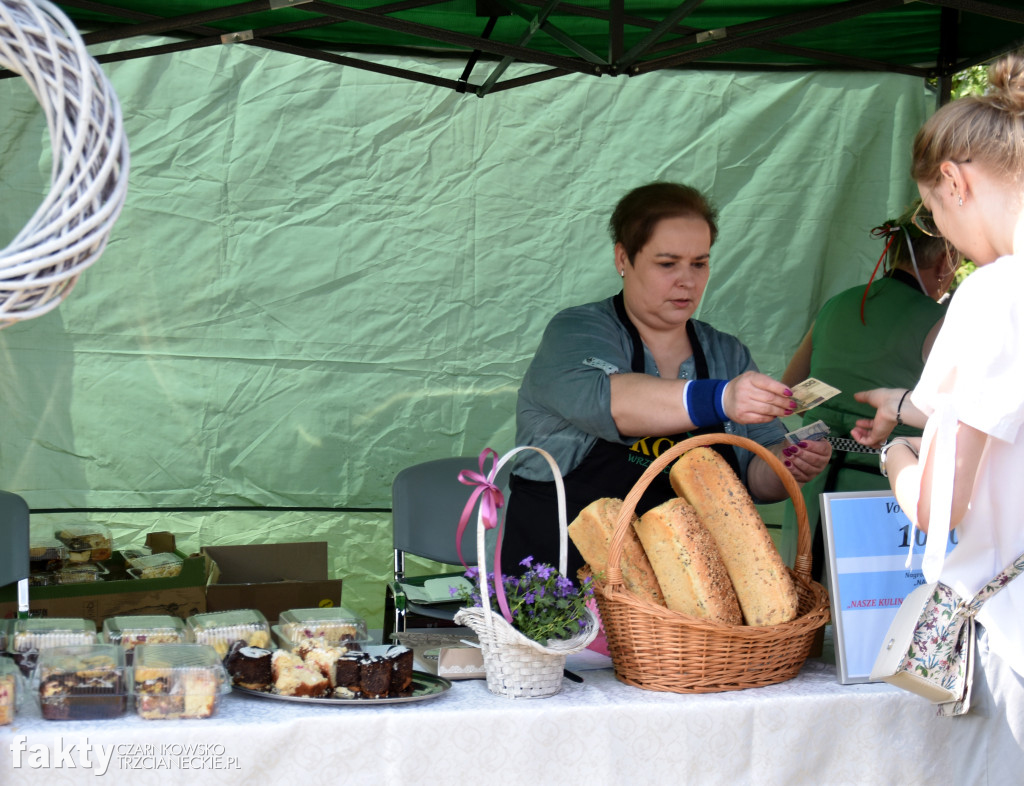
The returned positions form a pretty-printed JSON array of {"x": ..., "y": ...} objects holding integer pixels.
[
  {"x": 592, "y": 533},
  {"x": 764, "y": 587},
  {"x": 687, "y": 563}
]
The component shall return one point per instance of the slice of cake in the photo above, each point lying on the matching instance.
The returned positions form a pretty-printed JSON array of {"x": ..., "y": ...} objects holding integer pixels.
[
  {"x": 7, "y": 691},
  {"x": 201, "y": 692},
  {"x": 346, "y": 673},
  {"x": 154, "y": 696},
  {"x": 249, "y": 667},
  {"x": 293, "y": 677},
  {"x": 323, "y": 657},
  {"x": 82, "y": 683},
  {"x": 400, "y": 658},
  {"x": 375, "y": 676},
  {"x": 178, "y": 681}
]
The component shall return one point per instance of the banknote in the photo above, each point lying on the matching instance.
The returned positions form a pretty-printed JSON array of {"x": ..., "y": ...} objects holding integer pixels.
[
  {"x": 810, "y": 393},
  {"x": 812, "y": 431}
]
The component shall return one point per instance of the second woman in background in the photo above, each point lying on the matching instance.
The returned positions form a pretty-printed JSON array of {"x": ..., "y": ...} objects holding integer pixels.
[{"x": 868, "y": 337}]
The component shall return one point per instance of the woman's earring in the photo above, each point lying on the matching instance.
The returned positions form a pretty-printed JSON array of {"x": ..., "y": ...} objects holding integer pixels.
[
  {"x": 959, "y": 200},
  {"x": 622, "y": 273}
]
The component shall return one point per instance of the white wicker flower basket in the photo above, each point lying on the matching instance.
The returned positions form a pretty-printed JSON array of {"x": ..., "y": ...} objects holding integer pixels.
[
  {"x": 89, "y": 177},
  {"x": 518, "y": 667}
]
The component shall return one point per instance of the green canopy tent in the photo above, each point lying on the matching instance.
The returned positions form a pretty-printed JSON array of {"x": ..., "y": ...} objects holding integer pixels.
[
  {"x": 324, "y": 273},
  {"x": 933, "y": 38}
]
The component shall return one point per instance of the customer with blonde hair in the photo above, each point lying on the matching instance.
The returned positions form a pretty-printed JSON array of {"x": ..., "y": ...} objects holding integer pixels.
[{"x": 968, "y": 161}]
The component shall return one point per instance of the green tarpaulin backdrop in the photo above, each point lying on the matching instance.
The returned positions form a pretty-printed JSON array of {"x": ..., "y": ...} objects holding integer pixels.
[{"x": 322, "y": 275}]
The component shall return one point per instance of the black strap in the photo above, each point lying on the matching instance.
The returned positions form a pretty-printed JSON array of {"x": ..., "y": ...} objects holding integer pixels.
[
  {"x": 637, "y": 363},
  {"x": 637, "y": 360},
  {"x": 700, "y": 363}
]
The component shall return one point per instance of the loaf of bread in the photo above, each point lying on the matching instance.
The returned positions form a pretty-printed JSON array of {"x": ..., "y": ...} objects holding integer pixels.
[
  {"x": 764, "y": 587},
  {"x": 687, "y": 563},
  {"x": 592, "y": 533}
]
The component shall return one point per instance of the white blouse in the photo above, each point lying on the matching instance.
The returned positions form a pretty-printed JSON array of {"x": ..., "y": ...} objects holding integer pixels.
[{"x": 975, "y": 374}]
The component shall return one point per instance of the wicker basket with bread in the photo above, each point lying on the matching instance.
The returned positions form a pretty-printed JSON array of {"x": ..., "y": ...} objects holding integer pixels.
[{"x": 693, "y": 595}]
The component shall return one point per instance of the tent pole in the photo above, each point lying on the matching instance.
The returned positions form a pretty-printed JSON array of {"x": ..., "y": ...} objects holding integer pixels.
[
  {"x": 616, "y": 29},
  {"x": 949, "y": 22}
]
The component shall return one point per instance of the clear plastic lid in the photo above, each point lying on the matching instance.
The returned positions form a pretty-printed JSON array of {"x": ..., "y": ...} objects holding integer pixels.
[
  {"x": 178, "y": 681},
  {"x": 79, "y": 574},
  {"x": 85, "y": 682},
  {"x": 130, "y": 632},
  {"x": 133, "y": 553},
  {"x": 221, "y": 628},
  {"x": 39, "y": 633},
  {"x": 94, "y": 538},
  {"x": 334, "y": 624},
  {"x": 46, "y": 548},
  {"x": 155, "y": 566},
  {"x": 9, "y": 690}
]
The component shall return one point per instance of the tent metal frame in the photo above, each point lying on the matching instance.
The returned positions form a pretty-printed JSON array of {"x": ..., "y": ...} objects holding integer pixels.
[{"x": 664, "y": 43}]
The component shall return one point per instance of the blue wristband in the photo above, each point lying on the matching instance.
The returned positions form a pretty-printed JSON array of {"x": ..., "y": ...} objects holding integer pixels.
[{"x": 704, "y": 401}]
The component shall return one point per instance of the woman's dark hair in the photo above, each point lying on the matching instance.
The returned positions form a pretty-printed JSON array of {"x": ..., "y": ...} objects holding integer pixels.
[
  {"x": 639, "y": 211},
  {"x": 929, "y": 251}
]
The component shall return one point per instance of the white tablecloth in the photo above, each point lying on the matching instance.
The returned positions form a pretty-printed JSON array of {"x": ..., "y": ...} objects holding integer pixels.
[{"x": 808, "y": 730}]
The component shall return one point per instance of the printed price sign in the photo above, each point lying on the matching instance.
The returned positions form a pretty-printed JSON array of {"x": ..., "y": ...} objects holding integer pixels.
[{"x": 867, "y": 538}]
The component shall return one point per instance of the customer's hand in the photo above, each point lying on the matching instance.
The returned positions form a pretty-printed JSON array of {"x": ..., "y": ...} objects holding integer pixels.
[{"x": 874, "y": 431}]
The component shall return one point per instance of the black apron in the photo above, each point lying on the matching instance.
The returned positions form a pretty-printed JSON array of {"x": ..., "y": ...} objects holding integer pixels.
[{"x": 610, "y": 469}]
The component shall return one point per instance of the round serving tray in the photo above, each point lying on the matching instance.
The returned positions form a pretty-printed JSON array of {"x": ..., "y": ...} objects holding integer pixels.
[{"x": 424, "y": 686}]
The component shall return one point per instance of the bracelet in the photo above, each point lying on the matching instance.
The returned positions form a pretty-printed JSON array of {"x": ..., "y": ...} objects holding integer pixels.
[
  {"x": 899, "y": 407},
  {"x": 703, "y": 401},
  {"x": 885, "y": 449}
]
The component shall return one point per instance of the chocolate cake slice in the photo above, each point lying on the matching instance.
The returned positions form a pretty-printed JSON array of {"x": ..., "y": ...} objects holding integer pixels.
[
  {"x": 375, "y": 676},
  {"x": 249, "y": 667},
  {"x": 400, "y": 658}
]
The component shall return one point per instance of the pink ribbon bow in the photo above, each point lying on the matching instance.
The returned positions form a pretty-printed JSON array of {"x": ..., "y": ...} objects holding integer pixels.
[{"x": 491, "y": 499}]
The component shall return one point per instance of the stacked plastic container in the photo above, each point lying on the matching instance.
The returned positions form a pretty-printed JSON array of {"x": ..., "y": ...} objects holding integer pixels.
[
  {"x": 220, "y": 629},
  {"x": 131, "y": 631},
  {"x": 82, "y": 682},
  {"x": 178, "y": 681}
]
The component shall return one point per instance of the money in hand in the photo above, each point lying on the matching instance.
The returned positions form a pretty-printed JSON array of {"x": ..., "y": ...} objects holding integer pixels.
[
  {"x": 811, "y": 432},
  {"x": 810, "y": 393}
]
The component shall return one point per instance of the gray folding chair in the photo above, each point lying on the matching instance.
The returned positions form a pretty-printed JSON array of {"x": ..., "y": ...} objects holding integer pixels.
[
  {"x": 427, "y": 500},
  {"x": 14, "y": 518}
]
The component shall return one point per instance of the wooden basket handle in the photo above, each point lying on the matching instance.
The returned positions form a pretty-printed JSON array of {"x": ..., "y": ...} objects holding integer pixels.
[{"x": 802, "y": 566}]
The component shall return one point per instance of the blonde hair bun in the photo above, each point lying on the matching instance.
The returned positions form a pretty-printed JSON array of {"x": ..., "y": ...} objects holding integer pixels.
[
  {"x": 1006, "y": 83},
  {"x": 988, "y": 129}
]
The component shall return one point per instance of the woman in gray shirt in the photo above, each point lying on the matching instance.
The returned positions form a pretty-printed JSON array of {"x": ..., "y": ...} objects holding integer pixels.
[{"x": 616, "y": 382}]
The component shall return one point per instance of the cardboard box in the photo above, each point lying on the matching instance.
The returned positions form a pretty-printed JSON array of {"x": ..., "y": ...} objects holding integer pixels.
[
  {"x": 270, "y": 577},
  {"x": 180, "y": 596}
]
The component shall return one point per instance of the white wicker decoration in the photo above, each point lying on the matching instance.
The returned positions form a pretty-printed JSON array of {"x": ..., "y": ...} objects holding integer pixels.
[
  {"x": 89, "y": 176},
  {"x": 518, "y": 667}
]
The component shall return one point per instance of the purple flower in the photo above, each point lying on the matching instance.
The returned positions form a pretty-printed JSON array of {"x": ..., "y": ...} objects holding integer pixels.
[
  {"x": 526, "y": 562},
  {"x": 529, "y": 597},
  {"x": 544, "y": 571},
  {"x": 471, "y": 573}
]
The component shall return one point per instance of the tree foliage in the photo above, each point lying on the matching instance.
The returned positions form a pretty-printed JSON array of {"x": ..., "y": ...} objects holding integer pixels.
[{"x": 970, "y": 81}]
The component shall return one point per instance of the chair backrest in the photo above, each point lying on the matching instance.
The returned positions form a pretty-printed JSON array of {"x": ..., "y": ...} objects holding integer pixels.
[
  {"x": 427, "y": 500},
  {"x": 13, "y": 538}
]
